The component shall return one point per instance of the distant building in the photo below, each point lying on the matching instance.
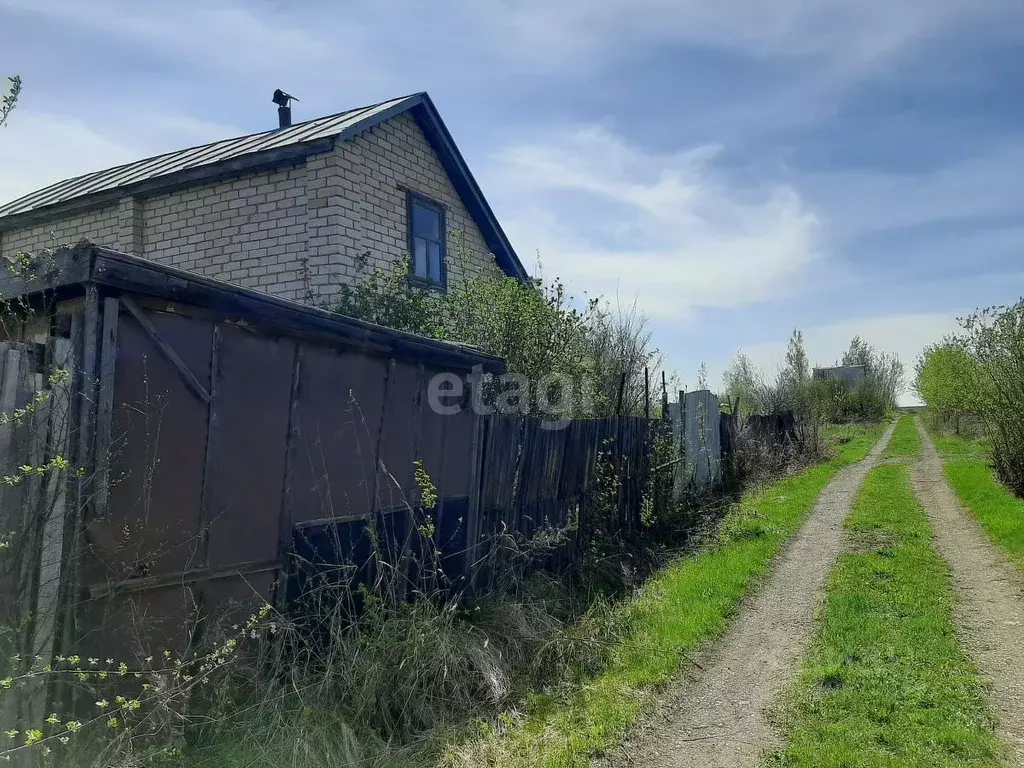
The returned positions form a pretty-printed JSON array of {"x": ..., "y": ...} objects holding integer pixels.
[{"x": 850, "y": 375}]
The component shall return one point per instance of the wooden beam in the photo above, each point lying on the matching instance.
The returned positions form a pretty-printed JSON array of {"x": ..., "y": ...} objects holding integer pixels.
[
  {"x": 97, "y": 591},
  {"x": 136, "y": 276},
  {"x": 206, "y": 494},
  {"x": 105, "y": 403},
  {"x": 166, "y": 350},
  {"x": 285, "y": 522},
  {"x": 391, "y": 510},
  {"x": 54, "y": 495}
]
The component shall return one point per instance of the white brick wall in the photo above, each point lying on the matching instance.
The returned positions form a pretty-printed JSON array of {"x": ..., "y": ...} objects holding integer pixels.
[
  {"x": 249, "y": 231},
  {"x": 99, "y": 226},
  {"x": 296, "y": 232}
]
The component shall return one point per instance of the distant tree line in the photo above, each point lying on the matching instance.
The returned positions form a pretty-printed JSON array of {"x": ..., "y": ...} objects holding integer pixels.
[{"x": 824, "y": 400}]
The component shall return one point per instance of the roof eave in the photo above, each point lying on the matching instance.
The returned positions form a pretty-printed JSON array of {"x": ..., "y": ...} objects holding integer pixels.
[{"x": 204, "y": 174}]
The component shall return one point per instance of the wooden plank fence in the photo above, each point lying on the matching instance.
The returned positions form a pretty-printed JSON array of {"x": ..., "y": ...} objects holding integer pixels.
[
  {"x": 586, "y": 477},
  {"x": 538, "y": 497}
]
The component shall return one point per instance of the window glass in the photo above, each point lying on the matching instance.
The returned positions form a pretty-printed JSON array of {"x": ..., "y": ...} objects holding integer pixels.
[
  {"x": 426, "y": 222},
  {"x": 426, "y": 239},
  {"x": 434, "y": 262},
  {"x": 420, "y": 256}
]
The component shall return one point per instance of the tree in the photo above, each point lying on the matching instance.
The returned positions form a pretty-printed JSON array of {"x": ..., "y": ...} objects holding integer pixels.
[
  {"x": 537, "y": 328},
  {"x": 947, "y": 379},
  {"x": 10, "y": 100},
  {"x": 797, "y": 365},
  {"x": 858, "y": 353},
  {"x": 884, "y": 376},
  {"x": 994, "y": 337},
  {"x": 794, "y": 376},
  {"x": 742, "y": 383}
]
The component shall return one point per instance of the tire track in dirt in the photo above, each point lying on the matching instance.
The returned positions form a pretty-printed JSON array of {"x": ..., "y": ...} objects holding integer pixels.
[
  {"x": 717, "y": 717},
  {"x": 990, "y": 596}
]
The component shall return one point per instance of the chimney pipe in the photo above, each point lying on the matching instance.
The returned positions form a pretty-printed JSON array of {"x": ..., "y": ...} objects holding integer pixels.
[{"x": 284, "y": 110}]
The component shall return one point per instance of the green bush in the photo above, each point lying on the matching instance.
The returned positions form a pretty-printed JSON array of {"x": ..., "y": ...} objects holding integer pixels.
[
  {"x": 976, "y": 378},
  {"x": 947, "y": 379},
  {"x": 994, "y": 338},
  {"x": 537, "y": 327}
]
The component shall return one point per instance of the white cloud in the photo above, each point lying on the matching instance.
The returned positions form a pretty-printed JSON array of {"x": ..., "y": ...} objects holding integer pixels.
[
  {"x": 673, "y": 229},
  {"x": 38, "y": 149}
]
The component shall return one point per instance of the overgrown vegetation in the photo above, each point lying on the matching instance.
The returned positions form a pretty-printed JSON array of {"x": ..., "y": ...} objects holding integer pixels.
[
  {"x": 885, "y": 682},
  {"x": 804, "y": 404},
  {"x": 974, "y": 381},
  {"x": 947, "y": 379},
  {"x": 823, "y": 400},
  {"x": 604, "y": 350}
]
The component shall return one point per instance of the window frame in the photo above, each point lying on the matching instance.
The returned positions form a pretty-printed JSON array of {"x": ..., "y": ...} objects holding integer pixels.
[{"x": 414, "y": 198}]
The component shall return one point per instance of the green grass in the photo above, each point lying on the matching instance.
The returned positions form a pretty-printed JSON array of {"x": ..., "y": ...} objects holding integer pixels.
[
  {"x": 1000, "y": 513},
  {"x": 886, "y": 683},
  {"x": 905, "y": 440},
  {"x": 950, "y": 445},
  {"x": 687, "y": 604}
]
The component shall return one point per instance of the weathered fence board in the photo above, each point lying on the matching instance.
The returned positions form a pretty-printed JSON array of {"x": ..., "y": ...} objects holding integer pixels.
[{"x": 697, "y": 442}]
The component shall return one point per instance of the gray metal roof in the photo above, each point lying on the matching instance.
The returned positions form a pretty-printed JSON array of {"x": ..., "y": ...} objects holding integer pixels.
[{"x": 208, "y": 154}]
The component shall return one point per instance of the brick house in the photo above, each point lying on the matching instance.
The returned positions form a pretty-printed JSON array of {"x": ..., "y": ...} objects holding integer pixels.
[{"x": 293, "y": 212}]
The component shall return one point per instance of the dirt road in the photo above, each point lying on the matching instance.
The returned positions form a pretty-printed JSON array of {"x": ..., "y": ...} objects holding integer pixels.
[
  {"x": 717, "y": 718},
  {"x": 990, "y": 596}
]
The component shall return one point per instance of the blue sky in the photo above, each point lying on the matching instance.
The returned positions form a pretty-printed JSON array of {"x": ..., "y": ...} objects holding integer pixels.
[{"x": 736, "y": 167}]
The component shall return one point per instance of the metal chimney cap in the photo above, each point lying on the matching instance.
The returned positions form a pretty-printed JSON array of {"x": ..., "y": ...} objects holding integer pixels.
[{"x": 281, "y": 98}]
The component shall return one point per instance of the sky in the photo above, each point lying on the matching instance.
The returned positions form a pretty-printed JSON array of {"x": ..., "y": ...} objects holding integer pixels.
[{"x": 737, "y": 168}]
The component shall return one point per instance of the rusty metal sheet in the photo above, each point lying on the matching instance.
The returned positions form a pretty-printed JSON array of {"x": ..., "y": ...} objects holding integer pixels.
[
  {"x": 152, "y": 521},
  {"x": 131, "y": 626},
  {"x": 341, "y": 400},
  {"x": 251, "y": 404},
  {"x": 400, "y": 425},
  {"x": 458, "y": 454},
  {"x": 232, "y": 600},
  {"x": 431, "y": 450}
]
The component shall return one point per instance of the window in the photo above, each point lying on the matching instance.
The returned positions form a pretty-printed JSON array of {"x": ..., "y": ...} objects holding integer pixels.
[{"x": 426, "y": 240}]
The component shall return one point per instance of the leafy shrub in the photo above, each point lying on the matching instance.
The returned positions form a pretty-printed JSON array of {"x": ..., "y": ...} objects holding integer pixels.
[
  {"x": 978, "y": 375},
  {"x": 884, "y": 377},
  {"x": 994, "y": 338},
  {"x": 947, "y": 379},
  {"x": 536, "y": 327}
]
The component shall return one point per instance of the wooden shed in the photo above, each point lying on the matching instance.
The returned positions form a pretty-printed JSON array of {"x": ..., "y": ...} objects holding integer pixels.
[{"x": 211, "y": 424}]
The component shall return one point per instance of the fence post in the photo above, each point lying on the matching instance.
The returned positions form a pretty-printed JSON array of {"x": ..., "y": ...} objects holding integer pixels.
[
  {"x": 647, "y": 392},
  {"x": 664, "y": 397}
]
